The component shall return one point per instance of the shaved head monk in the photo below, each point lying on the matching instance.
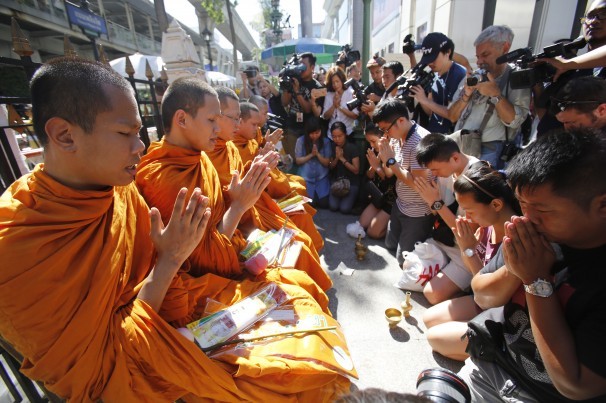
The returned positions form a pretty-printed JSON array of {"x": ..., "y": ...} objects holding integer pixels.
[
  {"x": 246, "y": 140},
  {"x": 85, "y": 292}
]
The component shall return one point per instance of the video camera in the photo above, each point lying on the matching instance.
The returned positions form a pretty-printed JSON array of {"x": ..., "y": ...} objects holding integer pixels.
[
  {"x": 292, "y": 70},
  {"x": 420, "y": 75},
  {"x": 360, "y": 93},
  {"x": 527, "y": 75},
  {"x": 409, "y": 45},
  {"x": 274, "y": 122},
  {"x": 348, "y": 56}
]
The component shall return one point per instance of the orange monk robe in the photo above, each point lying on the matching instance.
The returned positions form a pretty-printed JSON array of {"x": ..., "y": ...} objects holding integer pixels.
[
  {"x": 266, "y": 214},
  {"x": 163, "y": 171},
  {"x": 73, "y": 262},
  {"x": 280, "y": 186}
]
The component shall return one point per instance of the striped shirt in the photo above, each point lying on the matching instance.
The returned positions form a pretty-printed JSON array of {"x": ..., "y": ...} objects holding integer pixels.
[{"x": 408, "y": 201}]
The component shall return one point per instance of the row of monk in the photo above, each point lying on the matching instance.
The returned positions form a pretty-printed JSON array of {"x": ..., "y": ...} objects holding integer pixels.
[{"x": 94, "y": 283}]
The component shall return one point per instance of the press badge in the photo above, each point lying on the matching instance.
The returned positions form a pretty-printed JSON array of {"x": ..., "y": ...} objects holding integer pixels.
[{"x": 299, "y": 117}]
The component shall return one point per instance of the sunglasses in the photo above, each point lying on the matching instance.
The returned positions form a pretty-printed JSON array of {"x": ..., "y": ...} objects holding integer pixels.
[{"x": 558, "y": 105}]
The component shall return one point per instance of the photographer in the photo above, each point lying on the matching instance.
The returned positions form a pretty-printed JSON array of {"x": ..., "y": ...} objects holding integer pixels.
[
  {"x": 250, "y": 79},
  {"x": 491, "y": 105},
  {"x": 299, "y": 104},
  {"x": 437, "y": 51}
]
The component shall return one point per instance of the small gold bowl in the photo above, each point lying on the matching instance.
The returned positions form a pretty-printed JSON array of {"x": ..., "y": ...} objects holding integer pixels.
[{"x": 393, "y": 316}]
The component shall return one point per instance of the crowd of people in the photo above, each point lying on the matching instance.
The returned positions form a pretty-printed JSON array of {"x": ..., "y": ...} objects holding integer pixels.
[{"x": 118, "y": 251}]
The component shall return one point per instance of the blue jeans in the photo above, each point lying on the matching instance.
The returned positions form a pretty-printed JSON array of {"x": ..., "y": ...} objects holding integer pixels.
[
  {"x": 344, "y": 204},
  {"x": 491, "y": 152}
]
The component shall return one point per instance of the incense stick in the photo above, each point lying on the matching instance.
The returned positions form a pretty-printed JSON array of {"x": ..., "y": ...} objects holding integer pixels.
[{"x": 284, "y": 333}]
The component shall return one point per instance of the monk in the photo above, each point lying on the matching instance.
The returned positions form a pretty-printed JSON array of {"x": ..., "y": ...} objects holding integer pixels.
[
  {"x": 82, "y": 282},
  {"x": 281, "y": 185},
  {"x": 180, "y": 158}
]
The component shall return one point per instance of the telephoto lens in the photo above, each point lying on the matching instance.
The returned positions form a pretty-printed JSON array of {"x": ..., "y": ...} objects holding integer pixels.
[{"x": 442, "y": 386}]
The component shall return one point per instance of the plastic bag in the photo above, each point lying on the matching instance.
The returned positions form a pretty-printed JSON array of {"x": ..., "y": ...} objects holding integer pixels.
[
  {"x": 420, "y": 266},
  {"x": 354, "y": 229}
]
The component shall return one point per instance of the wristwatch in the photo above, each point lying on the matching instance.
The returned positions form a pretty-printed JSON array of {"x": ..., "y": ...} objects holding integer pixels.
[
  {"x": 437, "y": 205},
  {"x": 540, "y": 288},
  {"x": 495, "y": 100},
  {"x": 390, "y": 162},
  {"x": 469, "y": 252}
]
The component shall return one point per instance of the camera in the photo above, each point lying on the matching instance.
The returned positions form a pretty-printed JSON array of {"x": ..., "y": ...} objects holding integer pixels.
[
  {"x": 510, "y": 150},
  {"x": 292, "y": 70},
  {"x": 420, "y": 75},
  {"x": 361, "y": 96},
  {"x": 274, "y": 122},
  {"x": 409, "y": 45},
  {"x": 251, "y": 72},
  {"x": 526, "y": 75},
  {"x": 442, "y": 386},
  {"x": 478, "y": 76},
  {"x": 348, "y": 56}
]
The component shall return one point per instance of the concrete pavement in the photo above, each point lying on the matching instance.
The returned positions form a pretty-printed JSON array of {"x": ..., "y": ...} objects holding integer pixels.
[{"x": 387, "y": 358}]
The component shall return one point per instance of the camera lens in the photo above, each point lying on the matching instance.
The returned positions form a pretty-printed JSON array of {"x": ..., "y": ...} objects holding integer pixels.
[{"x": 442, "y": 386}]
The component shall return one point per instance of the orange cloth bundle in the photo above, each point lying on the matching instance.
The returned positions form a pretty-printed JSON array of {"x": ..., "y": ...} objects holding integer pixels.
[{"x": 73, "y": 263}]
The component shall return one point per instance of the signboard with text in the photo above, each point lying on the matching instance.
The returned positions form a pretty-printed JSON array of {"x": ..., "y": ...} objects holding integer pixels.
[{"x": 85, "y": 19}]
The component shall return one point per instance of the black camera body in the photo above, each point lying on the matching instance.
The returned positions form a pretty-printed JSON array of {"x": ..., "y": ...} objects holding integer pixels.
[
  {"x": 526, "y": 73},
  {"x": 360, "y": 93},
  {"x": 274, "y": 122},
  {"x": 509, "y": 151},
  {"x": 292, "y": 70},
  {"x": 409, "y": 45},
  {"x": 478, "y": 76},
  {"x": 420, "y": 75},
  {"x": 348, "y": 56}
]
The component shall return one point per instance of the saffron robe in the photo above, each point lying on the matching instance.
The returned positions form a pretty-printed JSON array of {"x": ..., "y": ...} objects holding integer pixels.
[
  {"x": 73, "y": 264},
  {"x": 163, "y": 171},
  {"x": 266, "y": 214},
  {"x": 281, "y": 186}
]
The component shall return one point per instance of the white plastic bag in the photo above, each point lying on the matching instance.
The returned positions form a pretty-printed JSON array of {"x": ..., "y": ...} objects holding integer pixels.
[
  {"x": 420, "y": 266},
  {"x": 354, "y": 229}
]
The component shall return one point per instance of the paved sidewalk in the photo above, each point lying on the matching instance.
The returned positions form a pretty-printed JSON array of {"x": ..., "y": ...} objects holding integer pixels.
[{"x": 387, "y": 358}]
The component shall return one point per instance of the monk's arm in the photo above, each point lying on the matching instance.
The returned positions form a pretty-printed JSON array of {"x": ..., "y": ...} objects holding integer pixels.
[
  {"x": 244, "y": 194},
  {"x": 174, "y": 243}
]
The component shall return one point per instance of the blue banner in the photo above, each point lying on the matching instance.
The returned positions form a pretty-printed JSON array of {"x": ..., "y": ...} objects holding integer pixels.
[{"x": 85, "y": 19}]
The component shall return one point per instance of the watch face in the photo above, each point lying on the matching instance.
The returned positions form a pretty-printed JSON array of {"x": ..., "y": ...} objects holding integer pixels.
[
  {"x": 469, "y": 252},
  {"x": 437, "y": 205},
  {"x": 543, "y": 288},
  {"x": 390, "y": 162},
  {"x": 540, "y": 288}
]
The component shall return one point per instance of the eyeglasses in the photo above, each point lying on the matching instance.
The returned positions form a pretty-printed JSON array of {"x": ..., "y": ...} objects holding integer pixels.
[
  {"x": 390, "y": 126},
  {"x": 598, "y": 15},
  {"x": 559, "y": 105},
  {"x": 236, "y": 120}
]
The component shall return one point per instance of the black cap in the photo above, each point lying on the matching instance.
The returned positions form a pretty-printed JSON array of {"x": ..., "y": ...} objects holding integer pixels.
[{"x": 432, "y": 44}]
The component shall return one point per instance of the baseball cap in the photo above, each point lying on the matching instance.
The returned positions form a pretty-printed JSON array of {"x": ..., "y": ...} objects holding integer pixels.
[
  {"x": 375, "y": 61},
  {"x": 431, "y": 46}
]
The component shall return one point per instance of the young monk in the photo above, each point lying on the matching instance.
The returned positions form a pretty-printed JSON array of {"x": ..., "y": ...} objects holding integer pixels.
[
  {"x": 181, "y": 158},
  {"x": 265, "y": 214},
  {"x": 82, "y": 281},
  {"x": 281, "y": 185}
]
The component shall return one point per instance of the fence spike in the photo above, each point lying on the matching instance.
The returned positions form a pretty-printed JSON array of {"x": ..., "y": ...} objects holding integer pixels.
[
  {"x": 102, "y": 55},
  {"x": 148, "y": 71},
  {"x": 128, "y": 67},
  {"x": 21, "y": 44},
  {"x": 68, "y": 48},
  {"x": 164, "y": 75}
]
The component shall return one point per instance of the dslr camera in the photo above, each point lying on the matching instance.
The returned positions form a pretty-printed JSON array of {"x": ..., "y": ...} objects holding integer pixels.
[
  {"x": 478, "y": 76},
  {"x": 527, "y": 73},
  {"x": 292, "y": 70},
  {"x": 348, "y": 55},
  {"x": 360, "y": 93}
]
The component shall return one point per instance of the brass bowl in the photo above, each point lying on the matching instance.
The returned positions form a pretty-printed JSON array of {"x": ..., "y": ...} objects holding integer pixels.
[{"x": 393, "y": 316}]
